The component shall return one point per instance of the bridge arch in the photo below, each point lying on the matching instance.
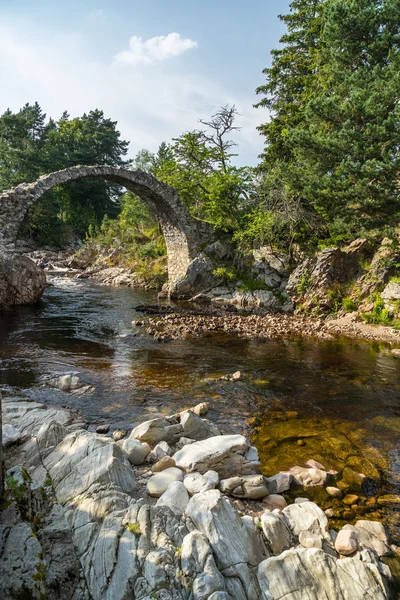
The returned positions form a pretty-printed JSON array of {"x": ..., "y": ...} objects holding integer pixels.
[{"x": 184, "y": 235}]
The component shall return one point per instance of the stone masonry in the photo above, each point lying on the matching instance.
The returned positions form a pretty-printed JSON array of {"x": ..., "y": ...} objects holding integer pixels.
[{"x": 184, "y": 235}]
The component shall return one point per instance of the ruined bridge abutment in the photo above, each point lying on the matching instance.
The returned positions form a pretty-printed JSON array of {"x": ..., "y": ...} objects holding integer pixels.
[{"x": 185, "y": 236}]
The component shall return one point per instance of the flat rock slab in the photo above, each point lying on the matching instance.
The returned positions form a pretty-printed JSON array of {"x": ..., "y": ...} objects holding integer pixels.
[{"x": 225, "y": 454}]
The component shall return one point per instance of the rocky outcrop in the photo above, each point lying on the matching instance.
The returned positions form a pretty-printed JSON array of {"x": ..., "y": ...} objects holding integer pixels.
[
  {"x": 80, "y": 525},
  {"x": 21, "y": 281},
  {"x": 312, "y": 284}
]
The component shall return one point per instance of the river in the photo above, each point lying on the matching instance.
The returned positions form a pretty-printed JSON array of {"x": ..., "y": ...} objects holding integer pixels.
[{"x": 334, "y": 401}]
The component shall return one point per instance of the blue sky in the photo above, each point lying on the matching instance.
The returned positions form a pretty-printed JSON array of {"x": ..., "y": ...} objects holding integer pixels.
[{"x": 155, "y": 66}]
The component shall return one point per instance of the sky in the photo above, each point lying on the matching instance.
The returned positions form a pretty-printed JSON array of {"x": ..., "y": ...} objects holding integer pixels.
[{"x": 154, "y": 66}]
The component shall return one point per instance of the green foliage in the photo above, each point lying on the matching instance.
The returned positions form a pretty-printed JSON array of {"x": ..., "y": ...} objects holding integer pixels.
[
  {"x": 348, "y": 304},
  {"x": 333, "y": 90},
  {"x": 31, "y": 146},
  {"x": 134, "y": 528},
  {"x": 227, "y": 274},
  {"x": 305, "y": 283},
  {"x": 379, "y": 314},
  {"x": 250, "y": 284}
]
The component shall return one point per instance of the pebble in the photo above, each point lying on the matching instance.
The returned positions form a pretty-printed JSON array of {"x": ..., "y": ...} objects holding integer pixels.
[
  {"x": 334, "y": 492},
  {"x": 350, "y": 499}
]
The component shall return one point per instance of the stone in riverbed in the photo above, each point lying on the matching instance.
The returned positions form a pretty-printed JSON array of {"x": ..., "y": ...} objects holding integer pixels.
[
  {"x": 201, "y": 409},
  {"x": 334, "y": 492},
  {"x": 135, "y": 451},
  {"x": 164, "y": 463},
  {"x": 196, "y": 483},
  {"x": 158, "y": 483},
  {"x": 247, "y": 486},
  {"x": 346, "y": 542},
  {"x": 350, "y": 499},
  {"x": 274, "y": 501},
  {"x": 308, "y": 477},
  {"x": 159, "y": 451},
  {"x": 306, "y": 516},
  {"x": 175, "y": 497},
  {"x": 278, "y": 483},
  {"x": 225, "y": 454}
]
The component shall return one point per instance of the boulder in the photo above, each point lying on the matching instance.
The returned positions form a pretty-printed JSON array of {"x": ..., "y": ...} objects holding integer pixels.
[
  {"x": 246, "y": 486},
  {"x": 225, "y": 454},
  {"x": 308, "y": 477},
  {"x": 274, "y": 501},
  {"x": 10, "y": 435},
  {"x": 310, "y": 540},
  {"x": 201, "y": 409},
  {"x": 196, "y": 483},
  {"x": 278, "y": 483},
  {"x": 196, "y": 428},
  {"x": 346, "y": 542},
  {"x": 198, "y": 563},
  {"x": 277, "y": 531},
  {"x": 175, "y": 497},
  {"x": 158, "y": 483},
  {"x": 164, "y": 463},
  {"x": 306, "y": 516},
  {"x": 311, "y": 573},
  {"x": 160, "y": 451},
  {"x": 371, "y": 535},
  {"x": 135, "y": 451},
  {"x": 236, "y": 543},
  {"x": 157, "y": 430},
  {"x": 21, "y": 281}
]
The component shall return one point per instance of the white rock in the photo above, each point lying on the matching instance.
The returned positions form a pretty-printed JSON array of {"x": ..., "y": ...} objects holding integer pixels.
[
  {"x": 308, "y": 477},
  {"x": 306, "y": 516},
  {"x": 278, "y": 483},
  {"x": 371, "y": 535},
  {"x": 157, "y": 430},
  {"x": 183, "y": 441},
  {"x": 300, "y": 574},
  {"x": 246, "y": 486},
  {"x": 196, "y": 428},
  {"x": 175, "y": 497},
  {"x": 236, "y": 543},
  {"x": 159, "y": 451},
  {"x": 158, "y": 483},
  {"x": 135, "y": 451},
  {"x": 310, "y": 540},
  {"x": 196, "y": 483},
  {"x": 346, "y": 542},
  {"x": 277, "y": 531},
  {"x": 201, "y": 409},
  {"x": 223, "y": 453},
  {"x": 198, "y": 563},
  {"x": 10, "y": 435},
  {"x": 274, "y": 501}
]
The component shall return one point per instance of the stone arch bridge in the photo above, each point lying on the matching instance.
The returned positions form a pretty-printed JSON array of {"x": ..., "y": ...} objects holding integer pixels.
[{"x": 184, "y": 235}]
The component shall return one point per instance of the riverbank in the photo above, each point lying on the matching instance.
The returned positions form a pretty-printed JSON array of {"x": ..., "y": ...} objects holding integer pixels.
[
  {"x": 172, "y": 323},
  {"x": 172, "y": 510}
]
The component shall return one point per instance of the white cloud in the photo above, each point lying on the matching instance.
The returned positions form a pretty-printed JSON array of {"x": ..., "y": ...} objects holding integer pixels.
[
  {"x": 150, "y": 105},
  {"x": 154, "y": 49},
  {"x": 98, "y": 13}
]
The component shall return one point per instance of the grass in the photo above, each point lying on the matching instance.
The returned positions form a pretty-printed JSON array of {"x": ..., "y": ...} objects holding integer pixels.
[{"x": 134, "y": 528}]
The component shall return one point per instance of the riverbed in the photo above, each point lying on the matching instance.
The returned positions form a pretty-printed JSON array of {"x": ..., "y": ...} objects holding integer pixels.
[{"x": 336, "y": 401}]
